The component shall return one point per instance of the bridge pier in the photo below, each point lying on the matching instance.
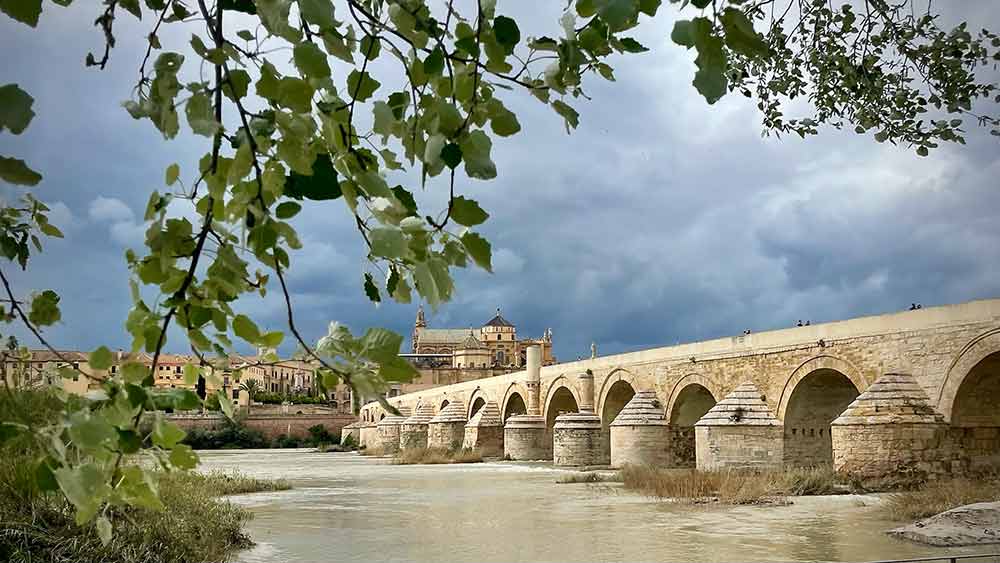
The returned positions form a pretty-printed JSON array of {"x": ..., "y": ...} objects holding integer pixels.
[
  {"x": 369, "y": 435},
  {"x": 524, "y": 435},
  {"x": 413, "y": 431},
  {"x": 484, "y": 431},
  {"x": 892, "y": 428},
  {"x": 351, "y": 431},
  {"x": 447, "y": 429},
  {"x": 388, "y": 431},
  {"x": 740, "y": 431},
  {"x": 577, "y": 439},
  {"x": 640, "y": 434}
]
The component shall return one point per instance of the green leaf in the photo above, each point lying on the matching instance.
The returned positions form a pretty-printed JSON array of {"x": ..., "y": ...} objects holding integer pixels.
[
  {"x": 24, "y": 11},
  {"x": 381, "y": 344},
  {"x": 740, "y": 34},
  {"x": 129, "y": 441},
  {"x": 632, "y": 46},
  {"x": 173, "y": 172},
  {"x": 91, "y": 431},
  {"x": 45, "y": 478},
  {"x": 479, "y": 250},
  {"x": 199, "y": 115},
  {"x": 100, "y": 359},
  {"x": 16, "y": 171},
  {"x": 467, "y": 212},
  {"x": 272, "y": 339},
  {"x": 45, "y": 309},
  {"x": 370, "y": 47},
  {"x": 506, "y": 32},
  {"x": 237, "y": 84},
  {"x": 225, "y": 403},
  {"x": 166, "y": 434},
  {"x": 287, "y": 210},
  {"x": 569, "y": 114},
  {"x": 388, "y": 242},
  {"x": 310, "y": 60},
  {"x": 361, "y": 86},
  {"x": 922, "y": 150},
  {"x": 134, "y": 372},
  {"x": 476, "y": 154},
  {"x": 137, "y": 488},
  {"x": 618, "y": 14},
  {"x": 246, "y": 329},
  {"x": 505, "y": 123},
  {"x": 681, "y": 34},
  {"x": 371, "y": 290},
  {"x": 434, "y": 63},
  {"x": 711, "y": 84},
  {"x": 451, "y": 154},
  {"x": 104, "y": 532},
  {"x": 183, "y": 457},
  {"x": 318, "y": 13},
  {"x": 15, "y": 107},
  {"x": 85, "y": 486},
  {"x": 50, "y": 230},
  {"x": 322, "y": 185}
]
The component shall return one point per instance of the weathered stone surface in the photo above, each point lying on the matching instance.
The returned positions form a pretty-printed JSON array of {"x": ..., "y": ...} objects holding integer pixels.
[
  {"x": 447, "y": 429},
  {"x": 577, "y": 441},
  {"x": 389, "y": 429},
  {"x": 745, "y": 406},
  {"x": 972, "y": 524},
  {"x": 413, "y": 432},
  {"x": 484, "y": 431},
  {"x": 740, "y": 431},
  {"x": 639, "y": 434},
  {"x": 891, "y": 428},
  {"x": 369, "y": 435},
  {"x": 524, "y": 438},
  {"x": 353, "y": 430}
]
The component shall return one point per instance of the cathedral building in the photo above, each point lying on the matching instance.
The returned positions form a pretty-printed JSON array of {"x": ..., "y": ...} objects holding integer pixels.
[{"x": 494, "y": 345}]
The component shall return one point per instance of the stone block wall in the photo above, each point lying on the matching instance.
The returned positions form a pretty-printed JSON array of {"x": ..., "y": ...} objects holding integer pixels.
[
  {"x": 388, "y": 437},
  {"x": 890, "y": 449},
  {"x": 413, "y": 436},
  {"x": 526, "y": 443},
  {"x": 487, "y": 439},
  {"x": 735, "y": 446},
  {"x": 447, "y": 435},
  {"x": 578, "y": 447},
  {"x": 641, "y": 445},
  {"x": 979, "y": 447}
]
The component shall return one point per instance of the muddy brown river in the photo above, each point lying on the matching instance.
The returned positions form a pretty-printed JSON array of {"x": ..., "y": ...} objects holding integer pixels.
[{"x": 347, "y": 508}]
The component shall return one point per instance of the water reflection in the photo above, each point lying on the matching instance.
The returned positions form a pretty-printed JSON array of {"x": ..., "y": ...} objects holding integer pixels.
[{"x": 349, "y": 508}]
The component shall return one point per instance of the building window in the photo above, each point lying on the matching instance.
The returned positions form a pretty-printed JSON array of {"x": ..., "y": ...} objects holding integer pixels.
[{"x": 236, "y": 394}]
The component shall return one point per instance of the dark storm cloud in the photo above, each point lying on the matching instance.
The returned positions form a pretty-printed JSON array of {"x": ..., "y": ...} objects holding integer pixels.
[{"x": 659, "y": 220}]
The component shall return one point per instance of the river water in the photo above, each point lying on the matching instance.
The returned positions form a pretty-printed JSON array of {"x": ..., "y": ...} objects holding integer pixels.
[{"x": 348, "y": 508}]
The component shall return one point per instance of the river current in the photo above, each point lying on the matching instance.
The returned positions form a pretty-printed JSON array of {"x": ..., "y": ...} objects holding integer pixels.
[{"x": 348, "y": 508}]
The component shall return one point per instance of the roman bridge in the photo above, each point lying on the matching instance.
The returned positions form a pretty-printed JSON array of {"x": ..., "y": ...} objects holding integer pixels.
[{"x": 937, "y": 368}]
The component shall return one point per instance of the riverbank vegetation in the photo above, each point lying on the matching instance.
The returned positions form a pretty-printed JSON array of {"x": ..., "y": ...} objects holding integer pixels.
[
  {"x": 233, "y": 434},
  {"x": 935, "y": 497},
  {"x": 732, "y": 487},
  {"x": 430, "y": 456},
  {"x": 589, "y": 477}
]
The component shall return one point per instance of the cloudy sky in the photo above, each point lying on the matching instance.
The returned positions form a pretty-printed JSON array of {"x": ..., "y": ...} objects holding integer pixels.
[{"x": 659, "y": 220}]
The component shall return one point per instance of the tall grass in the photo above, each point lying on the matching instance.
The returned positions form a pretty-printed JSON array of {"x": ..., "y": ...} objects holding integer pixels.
[
  {"x": 430, "y": 456},
  {"x": 36, "y": 526},
  {"x": 589, "y": 477},
  {"x": 938, "y": 496},
  {"x": 730, "y": 486}
]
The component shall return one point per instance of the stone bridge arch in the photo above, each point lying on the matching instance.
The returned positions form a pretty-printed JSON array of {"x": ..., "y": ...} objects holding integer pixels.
[
  {"x": 562, "y": 380},
  {"x": 977, "y": 350},
  {"x": 684, "y": 383},
  {"x": 515, "y": 401},
  {"x": 820, "y": 362},
  {"x": 476, "y": 401},
  {"x": 617, "y": 374},
  {"x": 813, "y": 396}
]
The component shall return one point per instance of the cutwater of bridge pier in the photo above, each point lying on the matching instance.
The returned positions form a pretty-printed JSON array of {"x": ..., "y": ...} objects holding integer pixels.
[{"x": 911, "y": 391}]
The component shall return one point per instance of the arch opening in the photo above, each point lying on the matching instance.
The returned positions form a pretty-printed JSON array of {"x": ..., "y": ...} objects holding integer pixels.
[
  {"x": 975, "y": 416},
  {"x": 816, "y": 401},
  {"x": 476, "y": 405},
  {"x": 619, "y": 394},
  {"x": 444, "y": 404},
  {"x": 514, "y": 406},
  {"x": 562, "y": 401},
  {"x": 693, "y": 401}
]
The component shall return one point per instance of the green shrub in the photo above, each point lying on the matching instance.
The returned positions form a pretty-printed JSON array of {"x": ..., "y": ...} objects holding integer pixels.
[{"x": 232, "y": 434}]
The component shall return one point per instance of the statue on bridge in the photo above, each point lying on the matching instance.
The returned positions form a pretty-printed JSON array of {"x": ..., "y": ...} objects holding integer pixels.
[{"x": 593, "y": 350}]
